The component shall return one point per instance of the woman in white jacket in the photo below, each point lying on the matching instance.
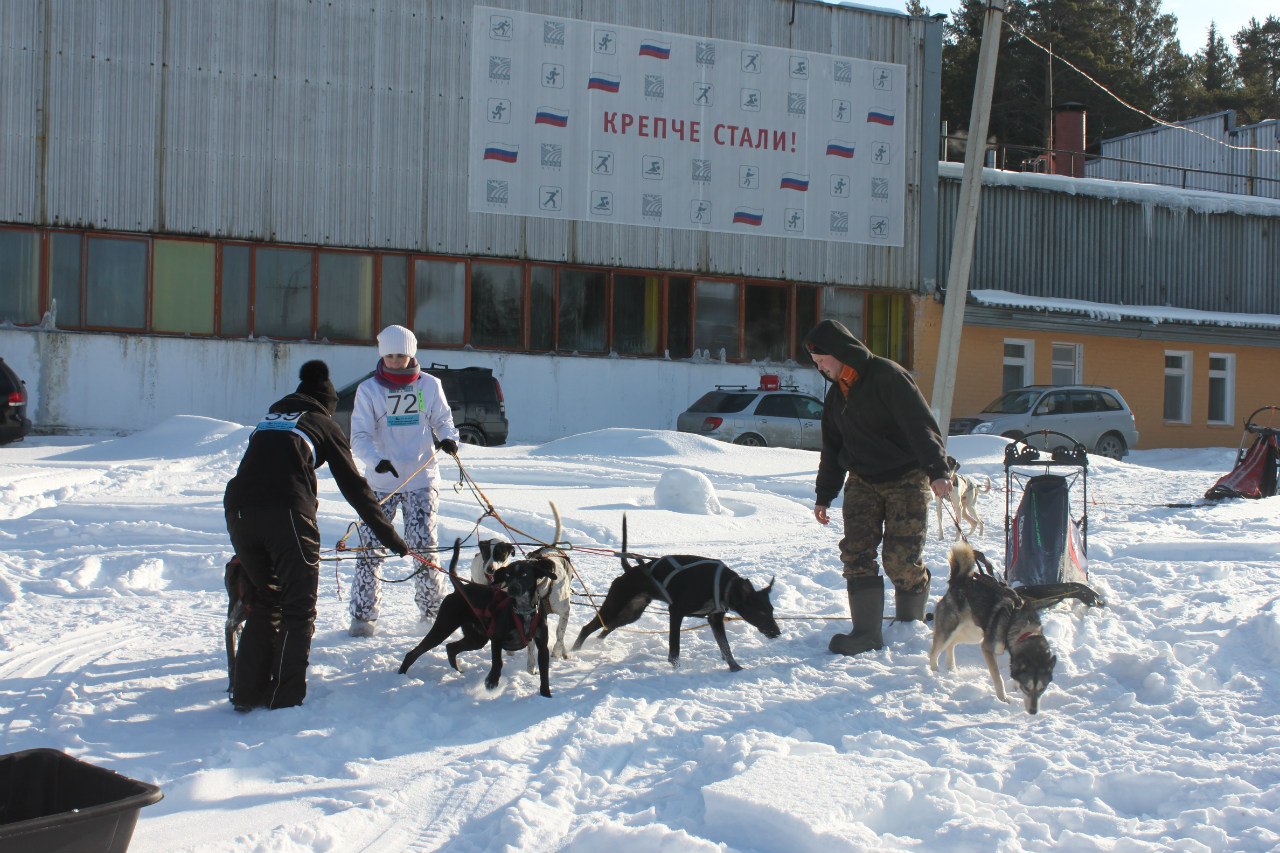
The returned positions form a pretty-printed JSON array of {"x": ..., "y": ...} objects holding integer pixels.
[{"x": 400, "y": 417}]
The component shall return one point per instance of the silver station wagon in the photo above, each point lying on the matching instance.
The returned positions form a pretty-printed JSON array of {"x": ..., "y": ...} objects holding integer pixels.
[
  {"x": 1094, "y": 415},
  {"x": 769, "y": 416}
]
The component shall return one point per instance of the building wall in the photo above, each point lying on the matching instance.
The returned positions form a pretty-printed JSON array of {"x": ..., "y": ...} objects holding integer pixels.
[
  {"x": 1132, "y": 365},
  {"x": 1203, "y": 153},
  {"x": 1058, "y": 237},
  {"x": 95, "y": 380},
  {"x": 346, "y": 124}
]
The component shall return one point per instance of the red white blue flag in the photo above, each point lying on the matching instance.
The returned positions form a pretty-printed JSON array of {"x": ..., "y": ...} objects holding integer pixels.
[
  {"x": 793, "y": 181},
  {"x": 655, "y": 49},
  {"x": 748, "y": 216},
  {"x": 551, "y": 116},
  {"x": 604, "y": 82},
  {"x": 840, "y": 148},
  {"x": 884, "y": 117},
  {"x": 502, "y": 152}
]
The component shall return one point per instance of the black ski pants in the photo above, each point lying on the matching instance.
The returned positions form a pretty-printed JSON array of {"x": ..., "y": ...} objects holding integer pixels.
[{"x": 280, "y": 551}]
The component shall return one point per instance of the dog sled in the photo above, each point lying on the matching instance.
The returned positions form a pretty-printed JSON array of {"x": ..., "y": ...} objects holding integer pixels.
[
  {"x": 1046, "y": 536},
  {"x": 1255, "y": 472}
]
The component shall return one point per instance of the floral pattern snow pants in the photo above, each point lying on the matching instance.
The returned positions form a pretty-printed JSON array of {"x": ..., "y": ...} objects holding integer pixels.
[{"x": 419, "y": 513}]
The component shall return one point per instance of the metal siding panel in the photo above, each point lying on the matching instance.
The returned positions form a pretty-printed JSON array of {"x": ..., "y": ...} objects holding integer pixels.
[
  {"x": 312, "y": 122},
  {"x": 1057, "y": 245},
  {"x": 22, "y": 80},
  {"x": 102, "y": 118}
]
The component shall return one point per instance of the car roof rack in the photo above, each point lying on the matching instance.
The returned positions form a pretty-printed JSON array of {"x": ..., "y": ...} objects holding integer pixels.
[{"x": 735, "y": 388}]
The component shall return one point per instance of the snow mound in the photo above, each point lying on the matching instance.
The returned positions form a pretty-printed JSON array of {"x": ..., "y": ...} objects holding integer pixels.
[
  {"x": 633, "y": 442},
  {"x": 177, "y": 437},
  {"x": 682, "y": 490}
]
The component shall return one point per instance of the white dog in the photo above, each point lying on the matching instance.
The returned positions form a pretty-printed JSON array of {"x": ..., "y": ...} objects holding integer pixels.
[
  {"x": 554, "y": 593},
  {"x": 964, "y": 503}
]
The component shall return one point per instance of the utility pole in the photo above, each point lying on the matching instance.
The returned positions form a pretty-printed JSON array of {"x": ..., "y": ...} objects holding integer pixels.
[{"x": 944, "y": 378}]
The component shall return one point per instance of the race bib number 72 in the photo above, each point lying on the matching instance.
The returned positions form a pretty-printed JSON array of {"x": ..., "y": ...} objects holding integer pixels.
[{"x": 404, "y": 409}]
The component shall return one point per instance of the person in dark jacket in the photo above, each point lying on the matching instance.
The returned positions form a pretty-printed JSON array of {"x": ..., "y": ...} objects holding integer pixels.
[
  {"x": 271, "y": 516},
  {"x": 878, "y": 430}
]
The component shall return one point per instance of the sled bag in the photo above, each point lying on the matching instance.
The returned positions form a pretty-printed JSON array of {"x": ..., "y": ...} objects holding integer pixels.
[
  {"x": 1254, "y": 475},
  {"x": 1046, "y": 546}
]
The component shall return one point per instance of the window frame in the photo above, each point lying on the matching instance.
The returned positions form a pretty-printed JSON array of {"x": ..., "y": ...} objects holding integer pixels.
[
  {"x": 1228, "y": 377},
  {"x": 523, "y": 275},
  {"x": 698, "y": 280},
  {"x": 85, "y": 239},
  {"x": 1076, "y": 367},
  {"x": 1027, "y": 361},
  {"x": 242, "y": 258},
  {"x": 1185, "y": 371}
]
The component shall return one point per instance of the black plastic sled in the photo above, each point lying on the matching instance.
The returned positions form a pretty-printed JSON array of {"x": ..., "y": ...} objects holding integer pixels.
[
  {"x": 1255, "y": 472},
  {"x": 1045, "y": 547}
]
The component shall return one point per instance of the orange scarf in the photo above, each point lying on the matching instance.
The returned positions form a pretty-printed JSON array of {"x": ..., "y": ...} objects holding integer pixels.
[{"x": 847, "y": 377}]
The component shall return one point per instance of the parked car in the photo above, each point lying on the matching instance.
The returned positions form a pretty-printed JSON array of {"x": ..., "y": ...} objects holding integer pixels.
[
  {"x": 1094, "y": 415},
  {"x": 474, "y": 395},
  {"x": 772, "y": 415},
  {"x": 14, "y": 425}
]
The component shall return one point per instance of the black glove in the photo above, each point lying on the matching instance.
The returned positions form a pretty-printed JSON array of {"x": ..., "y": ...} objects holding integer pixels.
[
  {"x": 448, "y": 445},
  {"x": 383, "y": 467},
  {"x": 396, "y": 545}
]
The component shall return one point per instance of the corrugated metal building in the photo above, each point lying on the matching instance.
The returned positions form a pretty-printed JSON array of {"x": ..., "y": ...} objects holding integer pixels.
[
  {"x": 341, "y": 124},
  {"x": 1170, "y": 296},
  {"x": 1204, "y": 153},
  {"x": 253, "y": 177}
]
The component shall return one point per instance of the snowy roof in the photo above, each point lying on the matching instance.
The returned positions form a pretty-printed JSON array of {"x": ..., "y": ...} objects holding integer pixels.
[
  {"x": 1154, "y": 314},
  {"x": 1196, "y": 201}
]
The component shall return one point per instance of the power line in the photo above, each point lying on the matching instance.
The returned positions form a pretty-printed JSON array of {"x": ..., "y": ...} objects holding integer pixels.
[{"x": 1130, "y": 106}]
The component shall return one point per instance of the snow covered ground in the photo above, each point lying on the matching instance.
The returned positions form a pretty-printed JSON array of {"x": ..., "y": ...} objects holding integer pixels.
[{"x": 1161, "y": 730}]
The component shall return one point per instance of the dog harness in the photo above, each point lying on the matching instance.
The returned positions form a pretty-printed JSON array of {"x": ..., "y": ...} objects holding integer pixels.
[
  {"x": 524, "y": 628},
  {"x": 662, "y": 571}
]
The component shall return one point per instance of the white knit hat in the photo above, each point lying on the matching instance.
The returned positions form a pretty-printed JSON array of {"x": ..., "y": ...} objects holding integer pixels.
[{"x": 397, "y": 340}]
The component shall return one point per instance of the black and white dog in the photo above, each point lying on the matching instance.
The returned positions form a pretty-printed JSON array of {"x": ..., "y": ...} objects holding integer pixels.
[
  {"x": 553, "y": 593},
  {"x": 691, "y": 586},
  {"x": 977, "y": 608},
  {"x": 964, "y": 502},
  {"x": 506, "y": 616}
]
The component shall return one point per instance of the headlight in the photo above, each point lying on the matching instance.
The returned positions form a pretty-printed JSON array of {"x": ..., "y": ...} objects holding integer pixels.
[{"x": 983, "y": 428}]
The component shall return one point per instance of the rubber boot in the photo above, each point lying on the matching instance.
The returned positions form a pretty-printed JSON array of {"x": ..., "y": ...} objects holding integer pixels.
[
  {"x": 866, "y": 605},
  {"x": 909, "y": 606}
]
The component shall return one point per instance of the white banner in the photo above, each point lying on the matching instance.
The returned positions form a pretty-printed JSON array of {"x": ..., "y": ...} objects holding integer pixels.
[{"x": 578, "y": 120}]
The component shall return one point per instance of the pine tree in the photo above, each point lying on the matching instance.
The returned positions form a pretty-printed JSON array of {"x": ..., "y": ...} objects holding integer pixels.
[
  {"x": 1258, "y": 63},
  {"x": 1128, "y": 46}
]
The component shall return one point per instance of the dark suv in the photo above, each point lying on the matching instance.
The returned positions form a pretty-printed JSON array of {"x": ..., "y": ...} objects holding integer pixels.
[
  {"x": 14, "y": 425},
  {"x": 473, "y": 393}
]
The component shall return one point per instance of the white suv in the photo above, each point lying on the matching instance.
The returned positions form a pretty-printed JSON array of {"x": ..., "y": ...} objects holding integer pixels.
[{"x": 1094, "y": 415}]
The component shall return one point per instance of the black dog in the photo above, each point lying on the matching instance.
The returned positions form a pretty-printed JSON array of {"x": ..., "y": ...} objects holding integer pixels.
[
  {"x": 691, "y": 586},
  {"x": 505, "y": 615}
]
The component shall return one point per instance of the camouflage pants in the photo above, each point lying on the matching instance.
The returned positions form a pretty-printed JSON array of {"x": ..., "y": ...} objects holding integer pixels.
[
  {"x": 419, "y": 509},
  {"x": 896, "y": 512}
]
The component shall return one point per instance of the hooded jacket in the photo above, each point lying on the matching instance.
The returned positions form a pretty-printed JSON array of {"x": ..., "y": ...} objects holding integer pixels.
[
  {"x": 292, "y": 440},
  {"x": 883, "y": 429}
]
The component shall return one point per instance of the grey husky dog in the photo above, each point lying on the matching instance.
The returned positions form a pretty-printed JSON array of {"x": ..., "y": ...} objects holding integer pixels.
[{"x": 977, "y": 608}]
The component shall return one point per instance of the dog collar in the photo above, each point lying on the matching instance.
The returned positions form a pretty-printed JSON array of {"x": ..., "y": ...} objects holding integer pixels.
[{"x": 1025, "y": 635}]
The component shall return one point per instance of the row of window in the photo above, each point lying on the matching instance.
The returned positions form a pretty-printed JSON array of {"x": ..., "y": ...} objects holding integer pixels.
[
  {"x": 1019, "y": 370},
  {"x": 1177, "y": 387},
  {"x": 163, "y": 285}
]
